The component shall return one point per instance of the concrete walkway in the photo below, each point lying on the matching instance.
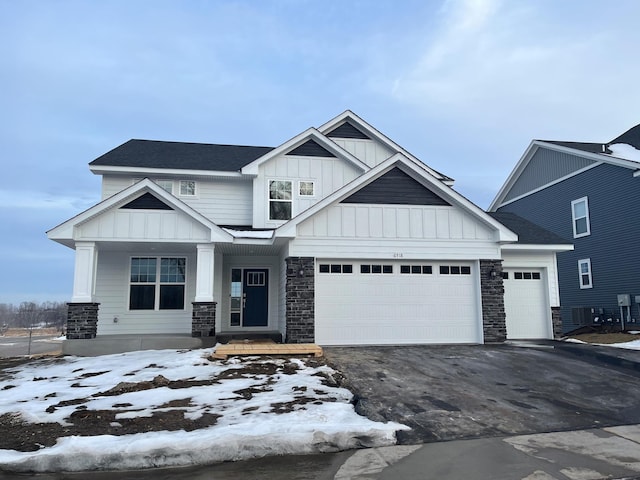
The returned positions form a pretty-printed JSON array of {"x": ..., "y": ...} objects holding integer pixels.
[{"x": 608, "y": 453}]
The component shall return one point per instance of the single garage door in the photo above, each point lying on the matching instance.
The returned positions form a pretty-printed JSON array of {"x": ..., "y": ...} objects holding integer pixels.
[
  {"x": 400, "y": 302},
  {"x": 525, "y": 304}
]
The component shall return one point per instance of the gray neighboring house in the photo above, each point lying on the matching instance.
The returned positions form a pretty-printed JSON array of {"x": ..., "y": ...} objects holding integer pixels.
[{"x": 588, "y": 193}]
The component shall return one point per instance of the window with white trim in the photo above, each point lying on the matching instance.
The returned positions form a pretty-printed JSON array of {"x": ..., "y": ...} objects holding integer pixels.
[
  {"x": 580, "y": 217},
  {"x": 166, "y": 185},
  {"x": 306, "y": 189},
  {"x": 280, "y": 200},
  {"x": 584, "y": 273},
  {"x": 188, "y": 188},
  {"x": 157, "y": 283}
]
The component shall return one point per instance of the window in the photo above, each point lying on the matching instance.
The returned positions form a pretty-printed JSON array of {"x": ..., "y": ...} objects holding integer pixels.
[
  {"x": 454, "y": 270},
  {"x": 166, "y": 185},
  {"x": 279, "y": 200},
  {"x": 416, "y": 269},
  {"x": 584, "y": 273},
  {"x": 150, "y": 291},
  {"x": 376, "y": 268},
  {"x": 305, "y": 189},
  {"x": 335, "y": 268},
  {"x": 580, "y": 216},
  {"x": 187, "y": 188},
  {"x": 526, "y": 275}
]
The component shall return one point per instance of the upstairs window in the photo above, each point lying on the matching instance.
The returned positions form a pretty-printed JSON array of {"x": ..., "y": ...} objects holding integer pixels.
[
  {"x": 584, "y": 273},
  {"x": 305, "y": 189},
  {"x": 580, "y": 217},
  {"x": 280, "y": 200},
  {"x": 166, "y": 185},
  {"x": 187, "y": 188}
]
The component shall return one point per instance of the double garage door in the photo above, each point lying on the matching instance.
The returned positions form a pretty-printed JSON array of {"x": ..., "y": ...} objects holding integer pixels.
[
  {"x": 400, "y": 302},
  {"x": 525, "y": 304}
]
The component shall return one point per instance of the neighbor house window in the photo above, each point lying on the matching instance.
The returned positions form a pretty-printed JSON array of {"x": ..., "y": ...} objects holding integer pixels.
[
  {"x": 279, "y": 200},
  {"x": 584, "y": 273},
  {"x": 157, "y": 283},
  {"x": 580, "y": 216},
  {"x": 187, "y": 188},
  {"x": 305, "y": 189},
  {"x": 166, "y": 185}
]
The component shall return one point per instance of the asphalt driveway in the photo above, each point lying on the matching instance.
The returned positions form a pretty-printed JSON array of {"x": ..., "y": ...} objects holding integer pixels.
[{"x": 461, "y": 392}]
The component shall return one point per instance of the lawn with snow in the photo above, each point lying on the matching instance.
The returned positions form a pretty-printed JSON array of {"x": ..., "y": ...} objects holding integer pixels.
[{"x": 268, "y": 412}]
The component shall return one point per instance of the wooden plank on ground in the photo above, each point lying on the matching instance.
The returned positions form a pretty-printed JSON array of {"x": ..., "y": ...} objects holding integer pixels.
[{"x": 224, "y": 351}]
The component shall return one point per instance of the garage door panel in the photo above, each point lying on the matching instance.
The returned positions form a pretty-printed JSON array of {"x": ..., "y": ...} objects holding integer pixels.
[
  {"x": 396, "y": 308},
  {"x": 526, "y": 306}
]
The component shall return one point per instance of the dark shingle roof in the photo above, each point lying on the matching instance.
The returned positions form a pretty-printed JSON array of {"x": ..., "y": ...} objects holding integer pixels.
[
  {"x": 528, "y": 233},
  {"x": 180, "y": 155},
  {"x": 630, "y": 137},
  {"x": 585, "y": 147}
]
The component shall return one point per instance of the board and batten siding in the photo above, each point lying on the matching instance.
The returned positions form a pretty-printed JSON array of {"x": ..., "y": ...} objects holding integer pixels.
[
  {"x": 614, "y": 211},
  {"x": 409, "y": 231},
  {"x": 368, "y": 151},
  {"x": 112, "y": 293},
  {"x": 226, "y": 201},
  {"x": 148, "y": 225},
  {"x": 544, "y": 167},
  {"x": 328, "y": 175}
]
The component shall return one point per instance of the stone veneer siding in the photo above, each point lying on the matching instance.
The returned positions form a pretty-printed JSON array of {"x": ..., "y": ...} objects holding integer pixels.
[
  {"x": 203, "y": 319},
  {"x": 556, "y": 322},
  {"x": 492, "y": 291},
  {"x": 82, "y": 320},
  {"x": 300, "y": 298}
]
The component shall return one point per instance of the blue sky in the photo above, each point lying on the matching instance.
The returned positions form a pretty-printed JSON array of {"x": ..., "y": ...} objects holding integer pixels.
[{"x": 464, "y": 85}]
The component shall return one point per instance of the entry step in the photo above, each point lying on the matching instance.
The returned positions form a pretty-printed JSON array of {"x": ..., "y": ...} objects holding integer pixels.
[{"x": 234, "y": 349}]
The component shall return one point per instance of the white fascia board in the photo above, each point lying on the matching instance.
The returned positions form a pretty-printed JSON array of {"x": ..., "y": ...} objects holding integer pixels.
[
  {"x": 537, "y": 247},
  {"x": 533, "y": 147},
  {"x": 636, "y": 173},
  {"x": 107, "y": 169},
  {"x": 377, "y": 135},
  {"x": 308, "y": 134},
  {"x": 288, "y": 229},
  {"x": 65, "y": 230}
]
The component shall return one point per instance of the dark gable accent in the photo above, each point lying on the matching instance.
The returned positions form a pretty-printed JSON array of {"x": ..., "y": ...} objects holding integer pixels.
[
  {"x": 347, "y": 130},
  {"x": 397, "y": 188},
  {"x": 310, "y": 148},
  {"x": 146, "y": 202}
]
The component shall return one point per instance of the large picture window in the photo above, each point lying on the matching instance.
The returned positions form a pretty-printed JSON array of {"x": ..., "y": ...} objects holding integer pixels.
[
  {"x": 580, "y": 217},
  {"x": 157, "y": 283},
  {"x": 279, "y": 200}
]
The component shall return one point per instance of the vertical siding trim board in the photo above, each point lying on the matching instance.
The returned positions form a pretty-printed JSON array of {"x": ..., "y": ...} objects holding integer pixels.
[
  {"x": 556, "y": 321},
  {"x": 203, "y": 319},
  {"x": 82, "y": 320},
  {"x": 494, "y": 322},
  {"x": 300, "y": 300}
]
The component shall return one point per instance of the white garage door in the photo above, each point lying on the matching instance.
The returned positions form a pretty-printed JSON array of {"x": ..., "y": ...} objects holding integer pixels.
[
  {"x": 359, "y": 303},
  {"x": 525, "y": 304}
]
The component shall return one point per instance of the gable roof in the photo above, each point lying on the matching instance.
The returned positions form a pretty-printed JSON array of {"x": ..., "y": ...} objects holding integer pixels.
[
  {"x": 357, "y": 123},
  {"x": 528, "y": 233},
  {"x": 179, "y": 155},
  {"x": 64, "y": 233},
  {"x": 418, "y": 171},
  {"x": 301, "y": 139}
]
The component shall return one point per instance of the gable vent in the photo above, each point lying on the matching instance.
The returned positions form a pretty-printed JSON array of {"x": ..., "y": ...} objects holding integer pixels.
[
  {"x": 396, "y": 188},
  {"x": 311, "y": 148},
  {"x": 347, "y": 130},
  {"x": 146, "y": 202}
]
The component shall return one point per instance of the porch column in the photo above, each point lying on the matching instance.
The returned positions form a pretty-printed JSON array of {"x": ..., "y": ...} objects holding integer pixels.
[
  {"x": 85, "y": 272},
  {"x": 82, "y": 313},
  {"x": 203, "y": 316}
]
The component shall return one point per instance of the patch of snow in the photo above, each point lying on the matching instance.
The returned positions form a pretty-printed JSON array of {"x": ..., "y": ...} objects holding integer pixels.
[
  {"x": 634, "y": 332},
  {"x": 633, "y": 345},
  {"x": 246, "y": 428},
  {"x": 622, "y": 150},
  {"x": 573, "y": 340},
  {"x": 264, "y": 234}
]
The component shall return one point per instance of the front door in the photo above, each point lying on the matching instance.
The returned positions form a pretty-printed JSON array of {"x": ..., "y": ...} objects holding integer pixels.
[{"x": 249, "y": 297}]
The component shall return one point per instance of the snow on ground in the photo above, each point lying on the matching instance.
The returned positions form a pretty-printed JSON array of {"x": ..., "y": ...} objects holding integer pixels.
[
  {"x": 247, "y": 428},
  {"x": 633, "y": 345}
]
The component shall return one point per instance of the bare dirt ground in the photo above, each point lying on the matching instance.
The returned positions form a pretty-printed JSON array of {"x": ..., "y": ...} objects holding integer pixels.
[
  {"x": 606, "y": 338},
  {"x": 24, "y": 332}
]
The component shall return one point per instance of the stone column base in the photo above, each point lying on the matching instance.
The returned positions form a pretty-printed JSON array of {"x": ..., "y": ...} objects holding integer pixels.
[
  {"x": 203, "y": 319},
  {"x": 82, "y": 320},
  {"x": 300, "y": 298},
  {"x": 494, "y": 319},
  {"x": 556, "y": 322}
]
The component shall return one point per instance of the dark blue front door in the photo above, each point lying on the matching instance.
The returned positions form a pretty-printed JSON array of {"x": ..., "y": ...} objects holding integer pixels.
[{"x": 256, "y": 297}]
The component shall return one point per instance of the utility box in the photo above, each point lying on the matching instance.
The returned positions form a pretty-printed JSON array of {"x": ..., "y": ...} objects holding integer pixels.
[{"x": 624, "y": 300}]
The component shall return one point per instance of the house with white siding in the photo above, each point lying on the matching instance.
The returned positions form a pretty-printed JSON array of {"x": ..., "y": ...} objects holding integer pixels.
[{"x": 338, "y": 236}]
